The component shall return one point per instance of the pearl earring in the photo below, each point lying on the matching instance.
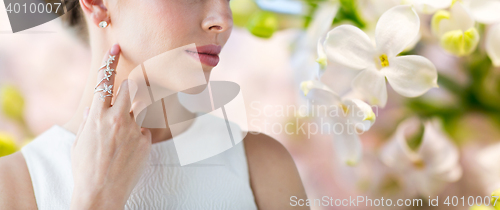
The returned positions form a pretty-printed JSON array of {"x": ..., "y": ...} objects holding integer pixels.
[{"x": 103, "y": 24}]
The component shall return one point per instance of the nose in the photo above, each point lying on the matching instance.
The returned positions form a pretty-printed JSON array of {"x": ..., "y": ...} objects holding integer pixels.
[{"x": 219, "y": 17}]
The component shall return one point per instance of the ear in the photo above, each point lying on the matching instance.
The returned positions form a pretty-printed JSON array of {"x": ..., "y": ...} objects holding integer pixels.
[{"x": 95, "y": 10}]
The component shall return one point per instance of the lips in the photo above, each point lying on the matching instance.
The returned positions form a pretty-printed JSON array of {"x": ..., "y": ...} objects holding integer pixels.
[{"x": 207, "y": 54}]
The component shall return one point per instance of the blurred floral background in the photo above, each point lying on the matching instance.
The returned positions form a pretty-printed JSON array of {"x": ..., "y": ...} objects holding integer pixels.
[{"x": 434, "y": 130}]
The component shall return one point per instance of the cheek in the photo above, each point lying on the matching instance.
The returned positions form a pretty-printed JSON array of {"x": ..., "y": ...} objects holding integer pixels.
[
  {"x": 225, "y": 36},
  {"x": 153, "y": 29}
]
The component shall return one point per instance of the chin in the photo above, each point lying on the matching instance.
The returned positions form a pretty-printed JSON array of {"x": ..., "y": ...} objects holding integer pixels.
[
  {"x": 207, "y": 68},
  {"x": 207, "y": 75}
]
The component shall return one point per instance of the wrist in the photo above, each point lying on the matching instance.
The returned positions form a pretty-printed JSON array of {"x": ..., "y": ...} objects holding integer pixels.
[{"x": 95, "y": 200}]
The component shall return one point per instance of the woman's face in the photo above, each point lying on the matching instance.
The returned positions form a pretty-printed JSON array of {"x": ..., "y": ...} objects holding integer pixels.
[{"x": 146, "y": 28}]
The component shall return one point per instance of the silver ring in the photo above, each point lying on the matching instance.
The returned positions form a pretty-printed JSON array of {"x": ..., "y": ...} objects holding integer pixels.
[
  {"x": 104, "y": 96},
  {"x": 108, "y": 72},
  {"x": 109, "y": 61},
  {"x": 106, "y": 89}
]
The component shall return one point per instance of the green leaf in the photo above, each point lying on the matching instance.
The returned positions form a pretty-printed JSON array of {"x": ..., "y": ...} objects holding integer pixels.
[
  {"x": 263, "y": 24},
  {"x": 348, "y": 11}
]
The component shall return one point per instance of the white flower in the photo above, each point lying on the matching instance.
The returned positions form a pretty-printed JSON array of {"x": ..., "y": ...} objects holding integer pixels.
[
  {"x": 428, "y": 6},
  {"x": 322, "y": 22},
  {"x": 410, "y": 76},
  {"x": 487, "y": 159},
  {"x": 430, "y": 164},
  {"x": 353, "y": 115},
  {"x": 322, "y": 59},
  {"x": 493, "y": 44},
  {"x": 456, "y": 30},
  {"x": 304, "y": 60},
  {"x": 488, "y": 12},
  {"x": 374, "y": 8},
  {"x": 484, "y": 11}
]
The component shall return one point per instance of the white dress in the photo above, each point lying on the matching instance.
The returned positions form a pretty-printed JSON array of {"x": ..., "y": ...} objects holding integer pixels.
[{"x": 219, "y": 182}]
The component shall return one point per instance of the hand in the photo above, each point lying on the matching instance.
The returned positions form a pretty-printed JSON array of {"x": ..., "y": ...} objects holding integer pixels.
[{"x": 110, "y": 150}]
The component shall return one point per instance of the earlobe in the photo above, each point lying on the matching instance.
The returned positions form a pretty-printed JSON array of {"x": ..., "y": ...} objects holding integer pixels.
[
  {"x": 96, "y": 12},
  {"x": 103, "y": 24}
]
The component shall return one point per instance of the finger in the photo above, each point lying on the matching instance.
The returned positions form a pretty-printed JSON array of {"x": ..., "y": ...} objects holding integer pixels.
[
  {"x": 122, "y": 101},
  {"x": 85, "y": 115},
  {"x": 147, "y": 133},
  {"x": 138, "y": 112},
  {"x": 105, "y": 80}
]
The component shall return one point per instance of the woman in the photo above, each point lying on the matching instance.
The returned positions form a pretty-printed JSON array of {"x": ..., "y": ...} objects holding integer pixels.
[{"x": 96, "y": 160}]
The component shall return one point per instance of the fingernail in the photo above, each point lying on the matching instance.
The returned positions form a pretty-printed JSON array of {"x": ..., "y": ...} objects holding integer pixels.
[{"x": 115, "y": 50}]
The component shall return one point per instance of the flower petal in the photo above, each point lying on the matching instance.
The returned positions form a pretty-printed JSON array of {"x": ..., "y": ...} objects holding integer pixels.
[
  {"x": 332, "y": 74},
  {"x": 436, "y": 21},
  {"x": 428, "y": 184},
  {"x": 452, "y": 175},
  {"x": 460, "y": 43},
  {"x": 360, "y": 114},
  {"x": 371, "y": 84},
  {"x": 307, "y": 86},
  {"x": 349, "y": 46},
  {"x": 431, "y": 6},
  {"x": 439, "y": 153},
  {"x": 493, "y": 44},
  {"x": 411, "y": 75},
  {"x": 321, "y": 93},
  {"x": 487, "y": 157},
  {"x": 413, "y": 43},
  {"x": 460, "y": 19},
  {"x": 490, "y": 169},
  {"x": 485, "y": 11},
  {"x": 322, "y": 59},
  {"x": 396, "y": 153},
  {"x": 348, "y": 147},
  {"x": 396, "y": 29},
  {"x": 322, "y": 21}
]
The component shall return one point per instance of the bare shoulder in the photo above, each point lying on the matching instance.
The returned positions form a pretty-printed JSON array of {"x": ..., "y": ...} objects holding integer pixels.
[
  {"x": 16, "y": 191},
  {"x": 274, "y": 176}
]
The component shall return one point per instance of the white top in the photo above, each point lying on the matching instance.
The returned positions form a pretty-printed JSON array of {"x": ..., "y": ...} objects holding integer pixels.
[{"x": 219, "y": 182}]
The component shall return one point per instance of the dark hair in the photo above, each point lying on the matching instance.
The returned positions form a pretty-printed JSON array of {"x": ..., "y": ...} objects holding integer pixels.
[{"x": 74, "y": 18}]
